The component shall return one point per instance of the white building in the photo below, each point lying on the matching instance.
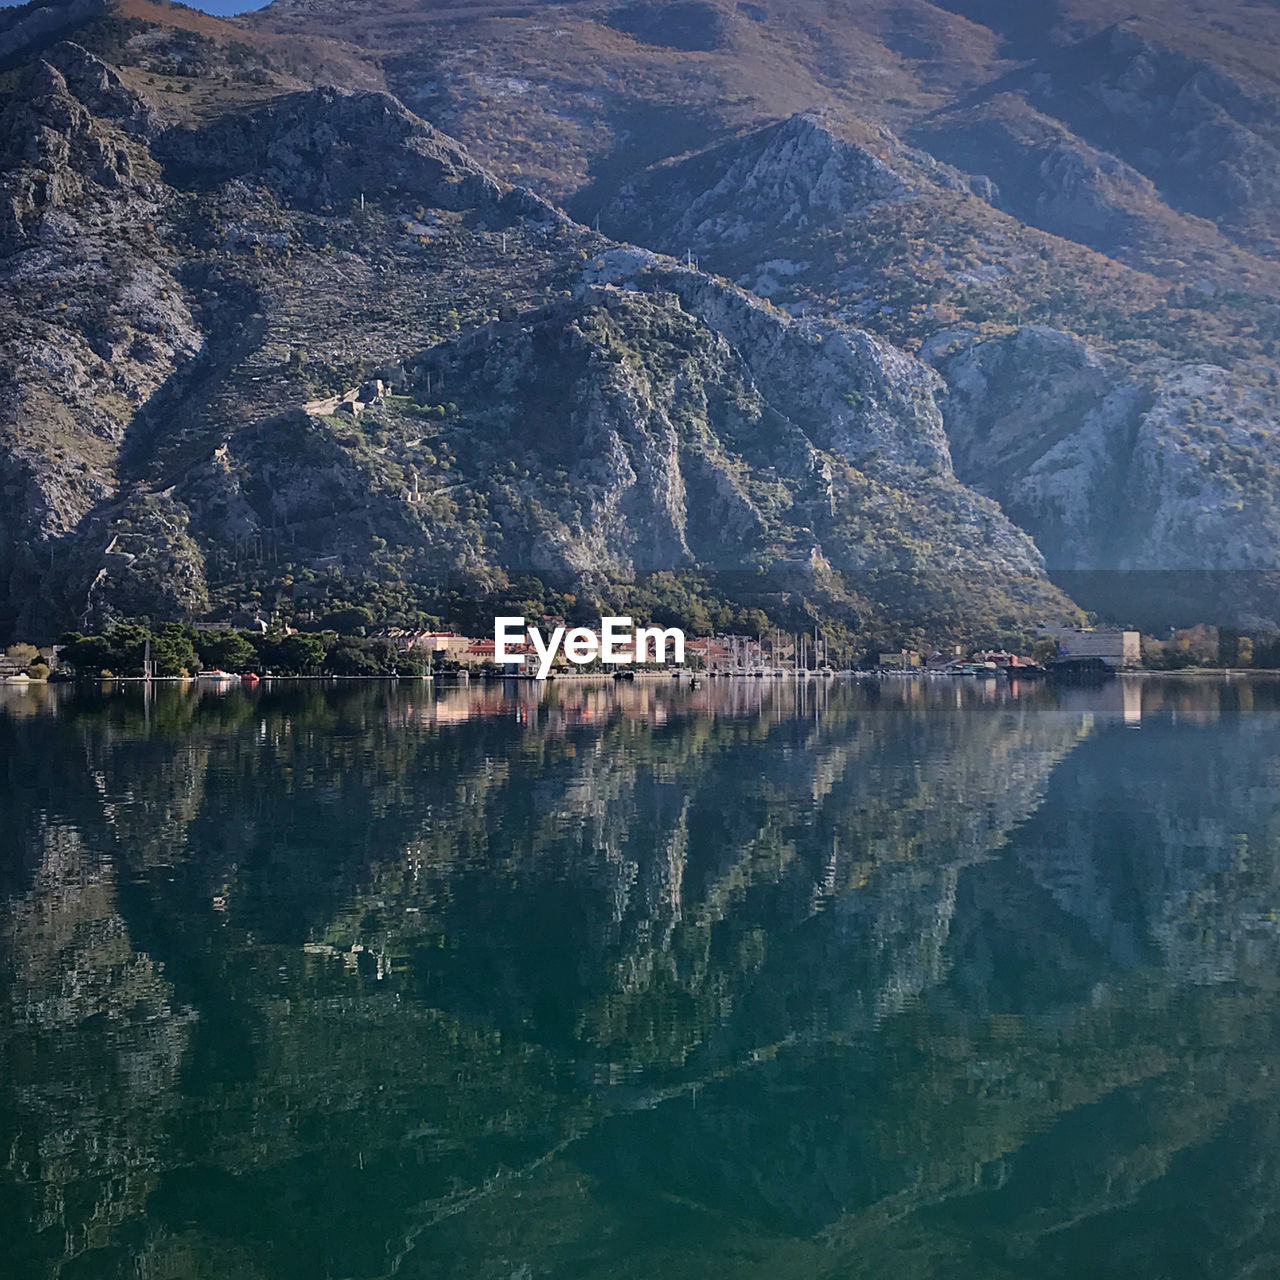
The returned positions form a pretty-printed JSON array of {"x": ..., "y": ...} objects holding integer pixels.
[{"x": 1116, "y": 648}]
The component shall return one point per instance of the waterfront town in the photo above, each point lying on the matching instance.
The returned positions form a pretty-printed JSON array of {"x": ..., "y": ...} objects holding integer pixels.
[
  {"x": 177, "y": 651},
  {"x": 780, "y": 653}
]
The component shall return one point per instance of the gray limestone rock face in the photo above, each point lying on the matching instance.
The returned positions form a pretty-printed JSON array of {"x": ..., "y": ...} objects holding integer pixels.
[{"x": 1162, "y": 467}]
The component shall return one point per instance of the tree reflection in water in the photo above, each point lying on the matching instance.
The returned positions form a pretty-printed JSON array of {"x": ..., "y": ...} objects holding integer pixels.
[{"x": 894, "y": 980}]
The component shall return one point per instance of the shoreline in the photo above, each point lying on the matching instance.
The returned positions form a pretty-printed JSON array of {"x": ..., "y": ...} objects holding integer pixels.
[
  {"x": 1201, "y": 673},
  {"x": 453, "y": 677}
]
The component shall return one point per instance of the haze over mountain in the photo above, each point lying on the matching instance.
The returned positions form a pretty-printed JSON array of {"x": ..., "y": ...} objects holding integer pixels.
[{"x": 995, "y": 298}]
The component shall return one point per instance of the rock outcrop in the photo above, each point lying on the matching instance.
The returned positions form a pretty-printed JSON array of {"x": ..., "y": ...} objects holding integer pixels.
[
  {"x": 1207, "y": 139},
  {"x": 36, "y": 24},
  {"x": 323, "y": 147},
  {"x": 790, "y": 174},
  {"x": 1163, "y": 467}
]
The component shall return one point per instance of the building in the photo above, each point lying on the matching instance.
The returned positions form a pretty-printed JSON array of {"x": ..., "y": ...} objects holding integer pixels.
[
  {"x": 1118, "y": 649},
  {"x": 442, "y": 646},
  {"x": 903, "y": 660},
  {"x": 727, "y": 653},
  {"x": 478, "y": 653},
  {"x": 710, "y": 652},
  {"x": 440, "y": 643},
  {"x": 15, "y": 664},
  {"x": 1002, "y": 659}
]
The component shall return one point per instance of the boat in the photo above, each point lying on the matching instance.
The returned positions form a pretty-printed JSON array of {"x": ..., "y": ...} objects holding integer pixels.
[
  {"x": 624, "y": 675},
  {"x": 216, "y": 677},
  {"x": 251, "y": 678}
]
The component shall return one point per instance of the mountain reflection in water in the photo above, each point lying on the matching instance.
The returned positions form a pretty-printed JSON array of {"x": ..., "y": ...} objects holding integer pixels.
[{"x": 900, "y": 980}]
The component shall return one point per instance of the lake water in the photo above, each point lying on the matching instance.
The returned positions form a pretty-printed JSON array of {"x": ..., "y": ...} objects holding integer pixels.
[{"x": 897, "y": 981}]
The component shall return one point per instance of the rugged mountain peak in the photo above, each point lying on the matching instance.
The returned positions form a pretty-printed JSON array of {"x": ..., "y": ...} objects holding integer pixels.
[
  {"x": 1148, "y": 79},
  {"x": 680, "y": 424},
  {"x": 35, "y": 25},
  {"x": 1140, "y": 64},
  {"x": 62, "y": 93},
  {"x": 218, "y": 301},
  {"x": 46, "y": 103},
  {"x": 842, "y": 172},
  {"x": 99, "y": 88},
  {"x": 785, "y": 174},
  {"x": 855, "y": 395},
  {"x": 52, "y": 142},
  {"x": 1209, "y": 140}
]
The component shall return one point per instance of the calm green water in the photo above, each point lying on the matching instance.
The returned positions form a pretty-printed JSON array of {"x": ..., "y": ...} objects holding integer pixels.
[{"x": 601, "y": 981}]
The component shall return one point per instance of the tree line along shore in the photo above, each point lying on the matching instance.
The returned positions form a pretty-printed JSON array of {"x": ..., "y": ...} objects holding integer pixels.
[{"x": 174, "y": 650}]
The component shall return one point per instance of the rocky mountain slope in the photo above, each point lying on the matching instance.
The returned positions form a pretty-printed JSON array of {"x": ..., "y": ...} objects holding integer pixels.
[
  {"x": 193, "y": 299},
  {"x": 1126, "y": 423},
  {"x": 898, "y": 168},
  {"x": 1064, "y": 221},
  {"x": 1168, "y": 104}
]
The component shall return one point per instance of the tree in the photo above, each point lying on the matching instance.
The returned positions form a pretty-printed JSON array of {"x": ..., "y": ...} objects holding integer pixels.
[
  {"x": 22, "y": 654},
  {"x": 349, "y": 659},
  {"x": 172, "y": 651},
  {"x": 349, "y": 622},
  {"x": 385, "y": 654},
  {"x": 127, "y": 645},
  {"x": 226, "y": 651},
  {"x": 1045, "y": 651},
  {"x": 300, "y": 655},
  {"x": 411, "y": 664},
  {"x": 88, "y": 655}
]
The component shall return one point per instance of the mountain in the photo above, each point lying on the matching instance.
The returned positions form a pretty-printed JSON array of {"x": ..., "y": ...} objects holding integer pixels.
[
  {"x": 1098, "y": 427},
  {"x": 921, "y": 168},
  {"x": 579, "y": 94},
  {"x": 201, "y": 301},
  {"x": 993, "y": 303}
]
